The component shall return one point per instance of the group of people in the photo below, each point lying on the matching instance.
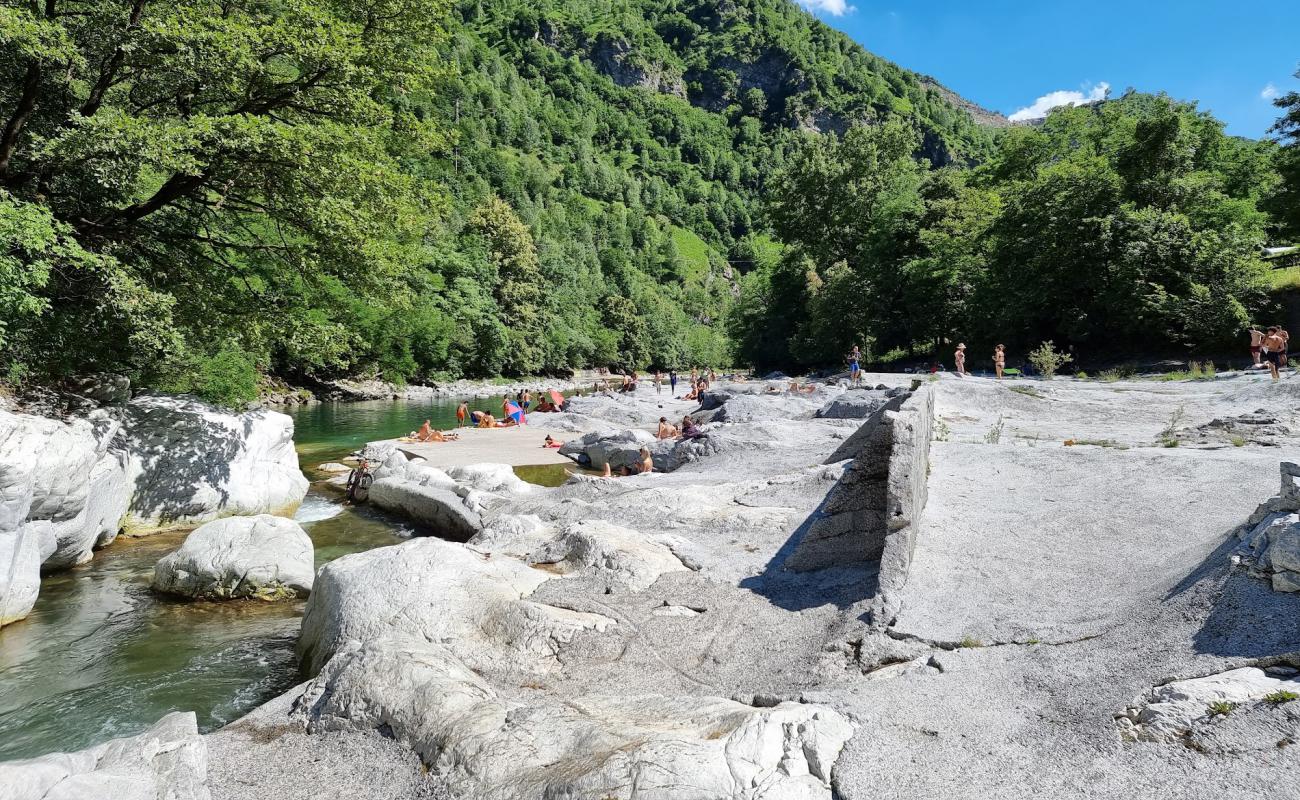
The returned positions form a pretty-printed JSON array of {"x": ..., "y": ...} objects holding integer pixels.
[
  {"x": 1270, "y": 347},
  {"x": 999, "y": 360}
]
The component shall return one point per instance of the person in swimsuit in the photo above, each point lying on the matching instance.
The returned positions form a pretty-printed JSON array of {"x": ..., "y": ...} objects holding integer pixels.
[
  {"x": 672, "y": 381},
  {"x": 999, "y": 359},
  {"x": 1272, "y": 347},
  {"x": 462, "y": 411},
  {"x": 1256, "y": 341},
  {"x": 666, "y": 430},
  {"x": 855, "y": 365},
  {"x": 960, "y": 359}
]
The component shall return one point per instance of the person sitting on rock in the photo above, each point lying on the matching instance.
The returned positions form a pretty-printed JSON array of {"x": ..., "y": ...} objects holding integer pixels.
[
  {"x": 428, "y": 434},
  {"x": 483, "y": 419},
  {"x": 666, "y": 429},
  {"x": 690, "y": 430}
]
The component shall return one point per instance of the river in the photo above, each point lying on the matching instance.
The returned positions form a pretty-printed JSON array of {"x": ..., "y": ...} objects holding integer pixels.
[{"x": 102, "y": 656}]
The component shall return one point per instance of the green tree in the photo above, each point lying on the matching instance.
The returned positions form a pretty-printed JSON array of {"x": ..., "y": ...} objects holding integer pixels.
[
  {"x": 217, "y": 160},
  {"x": 516, "y": 279}
]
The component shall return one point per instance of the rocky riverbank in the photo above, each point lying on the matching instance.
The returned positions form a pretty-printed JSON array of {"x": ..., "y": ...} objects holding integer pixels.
[
  {"x": 70, "y": 485},
  {"x": 962, "y": 589}
]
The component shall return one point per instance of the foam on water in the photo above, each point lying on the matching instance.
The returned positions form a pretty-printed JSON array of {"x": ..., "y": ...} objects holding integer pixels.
[{"x": 315, "y": 508}]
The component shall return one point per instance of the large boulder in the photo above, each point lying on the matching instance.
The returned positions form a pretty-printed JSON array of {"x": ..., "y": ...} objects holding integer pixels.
[
  {"x": 440, "y": 591},
  {"x": 853, "y": 404},
  {"x": 262, "y": 557},
  {"x": 764, "y": 408},
  {"x": 618, "y": 449},
  {"x": 437, "y": 508},
  {"x": 191, "y": 463},
  {"x": 167, "y": 762},
  {"x": 63, "y": 492},
  {"x": 648, "y": 747}
]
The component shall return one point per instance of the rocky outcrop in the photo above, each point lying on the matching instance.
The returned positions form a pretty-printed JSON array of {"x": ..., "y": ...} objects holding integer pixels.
[
  {"x": 872, "y": 512},
  {"x": 1270, "y": 540},
  {"x": 262, "y": 557},
  {"x": 446, "y": 501},
  {"x": 190, "y": 462},
  {"x": 607, "y": 552},
  {"x": 435, "y": 508},
  {"x": 615, "y": 58},
  {"x": 1176, "y": 709},
  {"x": 439, "y": 591},
  {"x": 63, "y": 492},
  {"x": 68, "y": 487},
  {"x": 856, "y": 404},
  {"x": 167, "y": 762},
  {"x": 650, "y": 747}
]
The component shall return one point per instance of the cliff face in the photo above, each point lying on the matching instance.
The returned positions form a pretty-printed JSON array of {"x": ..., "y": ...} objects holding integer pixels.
[{"x": 768, "y": 60}]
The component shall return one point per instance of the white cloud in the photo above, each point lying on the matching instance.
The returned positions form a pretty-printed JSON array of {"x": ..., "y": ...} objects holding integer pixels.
[
  {"x": 836, "y": 8},
  {"x": 1268, "y": 92},
  {"x": 1063, "y": 97}
]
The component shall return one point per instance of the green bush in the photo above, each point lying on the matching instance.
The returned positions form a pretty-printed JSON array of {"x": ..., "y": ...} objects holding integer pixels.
[{"x": 1047, "y": 359}]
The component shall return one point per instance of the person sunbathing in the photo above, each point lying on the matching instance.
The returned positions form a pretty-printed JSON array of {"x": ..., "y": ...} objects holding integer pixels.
[
  {"x": 551, "y": 442},
  {"x": 666, "y": 429},
  {"x": 483, "y": 419}
]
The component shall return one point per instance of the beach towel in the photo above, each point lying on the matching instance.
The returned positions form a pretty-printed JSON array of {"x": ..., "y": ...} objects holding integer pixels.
[{"x": 557, "y": 399}]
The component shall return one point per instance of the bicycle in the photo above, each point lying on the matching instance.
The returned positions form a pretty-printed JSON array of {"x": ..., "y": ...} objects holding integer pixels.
[{"x": 359, "y": 481}]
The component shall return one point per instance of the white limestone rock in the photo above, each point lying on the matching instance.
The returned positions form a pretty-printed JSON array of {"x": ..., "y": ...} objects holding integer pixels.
[
  {"x": 427, "y": 504},
  {"x": 609, "y": 552},
  {"x": 651, "y": 747},
  {"x": 442, "y": 592},
  {"x": 1173, "y": 710},
  {"x": 63, "y": 492},
  {"x": 191, "y": 463},
  {"x": 167, "y": 762},
  {"x": 240, "y": 557}
]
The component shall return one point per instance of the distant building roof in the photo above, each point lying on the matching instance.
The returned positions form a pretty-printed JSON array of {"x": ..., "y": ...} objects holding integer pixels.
[{"x": 1269, "y": 252}]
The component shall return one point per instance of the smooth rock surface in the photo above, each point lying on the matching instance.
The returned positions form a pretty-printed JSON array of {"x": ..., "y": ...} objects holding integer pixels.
[
  {"x": 646, "y": 747},
  {"x": 166, "y": 762},
  {"x": 189, "y": 462},
  {"x": 240, "y": 557}
]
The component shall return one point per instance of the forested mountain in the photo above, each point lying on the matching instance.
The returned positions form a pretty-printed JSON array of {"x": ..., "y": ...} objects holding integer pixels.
[
  {"x": 195, "y": 192},
  {"x": 199, "y": 193}
]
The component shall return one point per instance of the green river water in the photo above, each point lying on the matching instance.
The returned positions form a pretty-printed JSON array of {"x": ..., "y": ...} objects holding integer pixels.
[{"x": 103, "y": 656}]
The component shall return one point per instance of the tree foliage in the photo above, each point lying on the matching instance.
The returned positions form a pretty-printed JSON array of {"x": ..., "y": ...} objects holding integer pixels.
[{"x": 1134, "y": 223}]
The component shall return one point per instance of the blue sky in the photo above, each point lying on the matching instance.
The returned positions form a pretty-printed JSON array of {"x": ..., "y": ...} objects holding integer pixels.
[{"x": 1007, "y": 55}]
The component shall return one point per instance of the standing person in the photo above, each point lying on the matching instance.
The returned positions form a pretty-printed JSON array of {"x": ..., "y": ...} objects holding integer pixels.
[
  {"x": 999, "y": 359},
  {"x": 855, "y": 366},
  {"x": 1256, "y": 339},
  {"x": 659, "y": 382},
  {"x": 1272, "y": 347},
  {"x": 526, "y": 401},
  {"x": 1286, "y": 345},
  {"x": 672, "y": 382},
  {"x": 462, "y": 411},
  {"x": 959, "y": 358}
]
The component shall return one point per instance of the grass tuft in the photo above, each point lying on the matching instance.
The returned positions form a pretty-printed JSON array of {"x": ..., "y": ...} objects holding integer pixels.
[
  {"x": 1220, "y": 708},
  {"x": 1281, "y": 696}
]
